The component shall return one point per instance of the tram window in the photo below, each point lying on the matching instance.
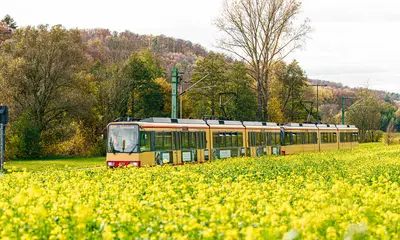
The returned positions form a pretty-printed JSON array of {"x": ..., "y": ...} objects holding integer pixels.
[
  {"x": 203, "y": 140},
  {"x": 197, "y": 137},
  {"x": 145, "y": 141},
  {"x": 159, "y": 140},
  {"x": 323, "y": 137},
  {"x": 240, "y": 139},
  {"x": 294, "y": 138},
  {"x": 200, "y": 143},
  {"x": 258, "y": 139},
  {"x": 354, "y": 137},
  {"x": 216, "y": 140},
  {"x": 221, "y": 137},
  {"x": 334, "y": 138},
  {"x": 175, "y": 140},
  {"x": 249, "y": 139},
  {"x": 185, "y": 140},
  {"x": 312, "y": 138},
  {"x": 288, "y": 138},
  {"x": 277, "y": 138},
  {"x": 300, "y": 138},
  {"x": 167, "y": 140},
  {"x": 192, "y": 140},
  {"x": 234, "y": 140},
  {"x": 273, "y": 137},
  {"x": 228, "y": 139}
]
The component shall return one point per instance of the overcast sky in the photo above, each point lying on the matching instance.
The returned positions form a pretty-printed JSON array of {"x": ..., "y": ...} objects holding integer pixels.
[{"x": 355, "y": 42}]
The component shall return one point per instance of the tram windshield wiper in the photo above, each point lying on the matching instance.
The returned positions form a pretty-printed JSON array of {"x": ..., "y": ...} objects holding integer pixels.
[
  {"x": 112, "y": 147},
  {"x": 133, "y": 150}
]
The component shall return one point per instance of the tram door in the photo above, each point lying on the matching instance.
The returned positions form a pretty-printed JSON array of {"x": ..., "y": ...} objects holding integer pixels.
[
  {"x": 201, "y": 145},
  {"x": 200, "y": 155},
  {"x": 176, "y": 146}
]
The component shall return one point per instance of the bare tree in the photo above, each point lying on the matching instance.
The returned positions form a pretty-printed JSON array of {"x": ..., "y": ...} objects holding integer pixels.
[
  {"x": 365, "y": 113},
  {"x": 389, "y": 137},
  {"x": 261, "y": 32}
]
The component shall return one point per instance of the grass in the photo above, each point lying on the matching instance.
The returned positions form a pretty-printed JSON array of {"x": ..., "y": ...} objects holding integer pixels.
[
  {"x": 56, "y": 163},
  {"x": 80, "y": 162}
]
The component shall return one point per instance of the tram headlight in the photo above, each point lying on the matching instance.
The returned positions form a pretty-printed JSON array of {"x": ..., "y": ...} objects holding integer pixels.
[
  {"x": 110, "y": 164},
  {"x": 135, "y": 164}
]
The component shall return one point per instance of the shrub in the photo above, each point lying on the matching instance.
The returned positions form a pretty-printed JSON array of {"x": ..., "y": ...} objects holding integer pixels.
[{"x": 24, "y": 139}]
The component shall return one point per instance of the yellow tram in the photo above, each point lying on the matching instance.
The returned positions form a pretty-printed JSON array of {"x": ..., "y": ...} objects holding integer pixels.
[{"x": 163, "y": 141}]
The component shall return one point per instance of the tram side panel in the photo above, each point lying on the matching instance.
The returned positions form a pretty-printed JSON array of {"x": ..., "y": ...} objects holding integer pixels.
[
  {"x": 328, "y": 139},
  {"x": 227, "y": 143},
  {"x": 292, "y": 142},
  {"x": 310, "y": 143},
  {"x": 172, "y": 144},
  {"x": 345, "y": 139}
]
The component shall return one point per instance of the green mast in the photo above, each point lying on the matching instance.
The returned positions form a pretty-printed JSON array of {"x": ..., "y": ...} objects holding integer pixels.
[
  {"x": 343, "y": 110},
  {"x": 174, "y": 82}
]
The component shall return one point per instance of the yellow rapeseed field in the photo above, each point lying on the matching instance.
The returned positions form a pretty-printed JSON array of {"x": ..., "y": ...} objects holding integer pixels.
[{"x": 352, "y": 194}]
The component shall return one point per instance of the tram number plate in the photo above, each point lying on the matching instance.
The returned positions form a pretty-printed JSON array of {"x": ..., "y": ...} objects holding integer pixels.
[
  {"x": 224, "y": 153},
  {"x": 187, "y": 156}
]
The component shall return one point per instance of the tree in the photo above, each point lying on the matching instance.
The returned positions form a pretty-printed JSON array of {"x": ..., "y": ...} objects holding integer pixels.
[
  {"x": 365, "y": 113},
  {"x": 397, "y": 124},
  {"x": 242, "y": 106},
  {"x": 204, "y": 97},
  {"x": 293, "y": 84},
  {"x": 390, "y": 132},
  {"x": 261, "y": 33},
  {"x": 388, "y": 112},
  {"x": 139, "y": 95},
  {"x": 42, "y": 71},
  {"x": 9, "y": 21}
]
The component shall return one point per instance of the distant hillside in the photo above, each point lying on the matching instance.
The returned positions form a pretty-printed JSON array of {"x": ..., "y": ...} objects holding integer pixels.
[
  {"x": 339, "y": 86},
  {"x": 112, "y": 47}
]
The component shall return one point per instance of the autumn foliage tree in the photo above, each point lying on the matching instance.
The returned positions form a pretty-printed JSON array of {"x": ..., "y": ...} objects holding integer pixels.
[{"x": 42, "y": 68}]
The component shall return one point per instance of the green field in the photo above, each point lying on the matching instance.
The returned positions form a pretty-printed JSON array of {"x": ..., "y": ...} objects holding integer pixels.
[
  {"x": 347, "y": 194},
  {"x": 55, "y": 164}
]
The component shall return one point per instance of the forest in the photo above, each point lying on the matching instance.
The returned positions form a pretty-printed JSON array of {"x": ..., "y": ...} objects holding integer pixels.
[{"x": 63, "y": 86}]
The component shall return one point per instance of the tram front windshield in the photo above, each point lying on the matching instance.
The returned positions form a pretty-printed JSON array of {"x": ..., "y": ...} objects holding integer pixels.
[{"x": 123, "y": 139}]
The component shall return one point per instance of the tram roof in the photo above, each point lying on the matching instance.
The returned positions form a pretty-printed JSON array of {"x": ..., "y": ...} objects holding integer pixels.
[
  {"x": 346, "y": 126},
  {"x": 173, "y": 120},
  {"x": 332, "y": 126},
  {"x": 224, "y": 122},
  {"x": 268, "y": 124},
  {"x": 300, "y": 125}
]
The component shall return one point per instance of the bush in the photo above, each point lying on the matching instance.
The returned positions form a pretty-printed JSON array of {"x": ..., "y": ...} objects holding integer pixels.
[
  {"x": 73, "y": 140},
  {"x": 371, "y": 136},
  {"x": 24, "y": 139}
]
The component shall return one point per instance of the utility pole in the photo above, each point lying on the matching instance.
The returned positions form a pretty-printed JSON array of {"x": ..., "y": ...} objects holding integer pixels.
[
  {"x": 318, "y": 85},
  {"x": 343, "y": 102},
  {"x": 3, "y": 123},
  {"x": 176, "y": 79},
  {"x": 343, "y": 110}
]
